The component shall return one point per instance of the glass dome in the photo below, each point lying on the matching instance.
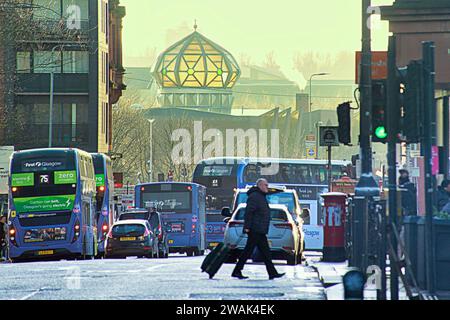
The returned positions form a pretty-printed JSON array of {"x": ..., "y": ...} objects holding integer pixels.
[{"x": 196, "y": 62}]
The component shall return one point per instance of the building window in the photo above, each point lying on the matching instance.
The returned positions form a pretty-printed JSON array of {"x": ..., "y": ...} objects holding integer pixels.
[
  {"x": 57, "y": 9},
  {"x": 45, "y": 62},
  {"x": 76, "y": 62},
  {"x": 23, "y": 62},
  {"x": 103, "y": 116},
  {"x": 47, "y": 9},
  {"x": 107, "y": 72}
]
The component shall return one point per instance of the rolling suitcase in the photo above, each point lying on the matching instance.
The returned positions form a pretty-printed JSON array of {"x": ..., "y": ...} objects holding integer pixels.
[{"x": 216, "y": 258}]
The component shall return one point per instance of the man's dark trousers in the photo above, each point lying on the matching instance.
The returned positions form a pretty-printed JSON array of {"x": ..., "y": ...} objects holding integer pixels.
[{"x": 257, "y": 240}]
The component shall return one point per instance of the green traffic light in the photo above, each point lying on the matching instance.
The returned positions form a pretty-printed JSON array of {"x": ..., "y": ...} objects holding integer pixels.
[{"x": 381, "y": 132}]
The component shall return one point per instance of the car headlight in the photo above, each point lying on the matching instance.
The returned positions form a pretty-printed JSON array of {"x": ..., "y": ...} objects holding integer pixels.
[{"x": 141, "y": 238}]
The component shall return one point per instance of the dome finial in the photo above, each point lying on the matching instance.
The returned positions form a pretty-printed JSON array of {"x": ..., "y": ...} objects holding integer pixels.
[{"x": 195, "y": 25}]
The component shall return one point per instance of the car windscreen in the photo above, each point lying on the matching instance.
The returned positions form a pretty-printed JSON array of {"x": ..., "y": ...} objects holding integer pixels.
[
  {"x": 134, "y": 216},
  {"x": 284, "y": 198},
  {"x": 275, "y": 215},
  {"x": 128, "y": 230}
]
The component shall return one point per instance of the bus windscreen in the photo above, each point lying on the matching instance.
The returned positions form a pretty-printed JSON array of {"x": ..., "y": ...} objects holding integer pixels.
[
  {"x": 43, "y": 183},
  {"x": 179, "y": 202}
]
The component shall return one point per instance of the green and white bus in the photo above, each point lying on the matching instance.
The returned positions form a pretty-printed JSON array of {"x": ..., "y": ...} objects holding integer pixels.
[{"x": 52, "y": 205}]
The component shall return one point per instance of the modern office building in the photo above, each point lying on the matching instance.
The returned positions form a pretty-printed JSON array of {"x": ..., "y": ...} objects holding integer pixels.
[{"x": 78, "y": 44}]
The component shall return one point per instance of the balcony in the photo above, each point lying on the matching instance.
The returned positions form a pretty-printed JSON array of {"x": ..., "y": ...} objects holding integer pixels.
[
  {"x": 75, "y": 83},
  {"x": 64, "y": 135}
]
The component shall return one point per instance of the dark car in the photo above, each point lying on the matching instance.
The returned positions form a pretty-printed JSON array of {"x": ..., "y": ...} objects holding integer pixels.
[
  {"x": 131, "y": 238},
  {"x": 134, "y": 214},
  {"x": 156, "y": 224}
]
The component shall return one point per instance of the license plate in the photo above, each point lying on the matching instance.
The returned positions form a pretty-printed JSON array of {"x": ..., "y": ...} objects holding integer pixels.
[
  {"x": 213, "y": 244},
  {"x": 171, "y": 242},
  {"x": 45, "y": 253},
  {"x": 128, "y": 239}
]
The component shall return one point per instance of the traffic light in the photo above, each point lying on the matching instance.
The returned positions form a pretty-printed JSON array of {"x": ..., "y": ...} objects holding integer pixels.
[
  {"x": 345, "y": 124},
  {"x": 379, "y": 119},
  {"x": 412, "y": 105}
]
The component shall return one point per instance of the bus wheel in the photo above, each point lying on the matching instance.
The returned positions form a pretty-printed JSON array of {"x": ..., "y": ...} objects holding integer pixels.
[
  {"x": 189, "y": 252},
  {"x": 196, "y": 252}
]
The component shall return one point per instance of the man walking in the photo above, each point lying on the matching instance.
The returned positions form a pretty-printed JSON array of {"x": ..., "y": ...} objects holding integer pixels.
[{"x": 256, "y": 226}]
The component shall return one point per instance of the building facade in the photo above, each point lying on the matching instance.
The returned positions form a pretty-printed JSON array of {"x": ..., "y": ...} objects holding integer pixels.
[{"x": 71, "y": 40}]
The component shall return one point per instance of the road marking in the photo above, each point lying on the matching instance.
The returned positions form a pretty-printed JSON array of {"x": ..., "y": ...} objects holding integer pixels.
[
  {"x": 28, "y": 296},
  {"x": 160, "y": 266}
]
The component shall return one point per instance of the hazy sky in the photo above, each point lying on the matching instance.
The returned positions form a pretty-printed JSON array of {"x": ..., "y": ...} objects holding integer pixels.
[{"x": 253, "y": 27}]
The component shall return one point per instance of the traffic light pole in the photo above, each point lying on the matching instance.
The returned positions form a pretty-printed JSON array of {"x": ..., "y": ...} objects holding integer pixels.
[
  {"x": 365, "y": 87},
  {"x": 427, "y": 145},
  {"x": 367, "y": 186},
  {"x": 393, "y": 91}
]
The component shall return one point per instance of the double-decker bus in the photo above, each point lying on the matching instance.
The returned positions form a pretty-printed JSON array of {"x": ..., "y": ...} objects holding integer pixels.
[
  {"x": 223, "y": 176},
  {"x": 104, "y": 211},
  {"x": 183, "y": 210},
  {"x": 52, "y": 205}
]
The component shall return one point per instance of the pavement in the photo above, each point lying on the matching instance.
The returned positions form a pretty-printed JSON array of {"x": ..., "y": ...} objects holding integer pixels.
[
  {"x": 176, "y": 278},
  {"x": 330, "y": 275}
]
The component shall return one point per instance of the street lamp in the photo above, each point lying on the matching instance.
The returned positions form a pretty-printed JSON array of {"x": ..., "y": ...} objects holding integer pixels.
[
  {"x": 318, "y": 125},
  {"x": 310, "y": 94},
  {"x": 150, "y": 162},
  {"x": 52, "y": 82}
]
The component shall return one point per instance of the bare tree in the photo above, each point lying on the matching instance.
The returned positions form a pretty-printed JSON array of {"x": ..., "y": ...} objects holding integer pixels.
[
  {"x": 270, "y": 61},
  {"x": 340, "y": 65},
  {"x": 131, "y": 139}
]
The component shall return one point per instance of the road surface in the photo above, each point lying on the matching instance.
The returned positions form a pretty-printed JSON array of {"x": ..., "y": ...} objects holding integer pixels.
[{"x": 176, "y": 278}]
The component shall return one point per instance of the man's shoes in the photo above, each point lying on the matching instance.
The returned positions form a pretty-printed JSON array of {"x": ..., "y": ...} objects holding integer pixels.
[
  {"x": 239, "y": 276},
  {"x": 278, "y": 275}
]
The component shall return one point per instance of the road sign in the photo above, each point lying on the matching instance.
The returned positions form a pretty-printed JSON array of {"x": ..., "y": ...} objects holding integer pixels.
[
  {"x": 379, "y": 65},
  {"x": 310, "y": 138},
  {"x": 311, "y": 152},
  {"x": 118, "y": 179},
  {"x": 329, "y": 137}
]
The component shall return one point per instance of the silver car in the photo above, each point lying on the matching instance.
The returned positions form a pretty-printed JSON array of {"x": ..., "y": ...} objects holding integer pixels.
[{"x": 283, "y": 234}]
